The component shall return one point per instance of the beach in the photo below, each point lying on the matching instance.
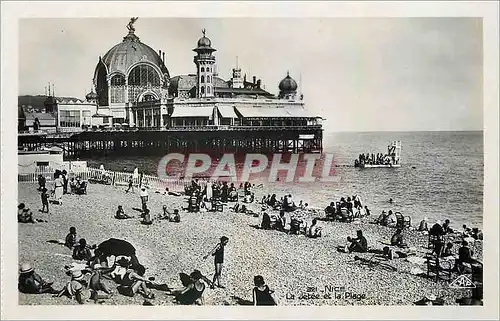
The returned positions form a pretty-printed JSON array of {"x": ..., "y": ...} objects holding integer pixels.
[{"x": 300, "y": 270}]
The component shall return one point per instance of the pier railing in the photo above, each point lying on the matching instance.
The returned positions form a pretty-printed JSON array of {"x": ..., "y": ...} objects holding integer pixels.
[{"x": 110, "y": 178}]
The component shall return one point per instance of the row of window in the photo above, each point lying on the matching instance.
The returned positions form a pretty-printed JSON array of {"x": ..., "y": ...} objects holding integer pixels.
[
  {"x": 139, "y": 76},
  {"x": 202, "y": 89},
  {"x": 208, "y": 69},
  {"x": 202, "y": 79}
]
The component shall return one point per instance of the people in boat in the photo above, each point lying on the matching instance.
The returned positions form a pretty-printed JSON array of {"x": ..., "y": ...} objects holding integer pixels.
[
  {"x": 397, "y": 239},
  {"x": 358, "y": 244},
  {"x": 192, "y": 292},
  {"x": 261, "y": 293},
  {"x": 82, "y": 251},
  {"x": 75, "y": 287},
  {"x": 120, "y": 214},
  {"x": 218, "y": 253},
  {"x": 71, "y": 239},
  {"x": 314, "y": 230},
  {"x": 30, "y": 282},
  {"x": 134, "y": 282},
  {"x": 422, "y": 226}
]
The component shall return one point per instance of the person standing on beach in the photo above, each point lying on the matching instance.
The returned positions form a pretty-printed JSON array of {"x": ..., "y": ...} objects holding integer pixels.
[
  {"x": 262, "y": 295},
  {"x": 58, "y": 183},
  {"x": 65, "y": 181},
  {"x": 130, "y": 184},
  {"x": 45, "y": 199},
  {"x": 218, "y": 254},
  {"x": 144, "y": 198}
]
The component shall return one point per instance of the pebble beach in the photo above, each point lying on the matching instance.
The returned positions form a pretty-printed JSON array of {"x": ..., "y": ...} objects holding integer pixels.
[{"x": 301, "y": 271}]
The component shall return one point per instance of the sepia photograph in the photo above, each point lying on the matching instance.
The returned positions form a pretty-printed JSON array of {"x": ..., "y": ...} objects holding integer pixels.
[{"x": 287, "y": 161}]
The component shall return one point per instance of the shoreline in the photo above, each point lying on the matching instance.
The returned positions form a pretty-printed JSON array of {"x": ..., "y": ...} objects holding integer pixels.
[{"x": 290, "y": 264}]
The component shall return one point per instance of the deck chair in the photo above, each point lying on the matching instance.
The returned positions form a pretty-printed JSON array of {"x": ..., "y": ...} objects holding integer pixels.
[
  {"x": 402, "y": 221},
  {"x": 439, "y": 268}
]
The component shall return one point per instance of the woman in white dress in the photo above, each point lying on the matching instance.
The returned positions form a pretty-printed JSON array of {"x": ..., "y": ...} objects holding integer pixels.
[{"x": 58, "y": 183}]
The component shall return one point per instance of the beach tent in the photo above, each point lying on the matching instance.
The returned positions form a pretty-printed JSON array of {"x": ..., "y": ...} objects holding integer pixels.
[{"x": 116, "y": 247}]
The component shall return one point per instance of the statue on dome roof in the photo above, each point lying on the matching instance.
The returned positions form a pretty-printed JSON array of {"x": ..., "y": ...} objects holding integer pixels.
[{"x": 130, "y": 25}]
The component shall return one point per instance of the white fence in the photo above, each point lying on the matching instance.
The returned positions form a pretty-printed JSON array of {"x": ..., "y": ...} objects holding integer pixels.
[{"x": 115, "y": 178}]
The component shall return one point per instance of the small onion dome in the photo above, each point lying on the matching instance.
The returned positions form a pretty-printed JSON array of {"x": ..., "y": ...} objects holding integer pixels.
[
  {"x": 204, "y": 42},
  {"x": 288, "y": 84},
  {"x": 91, "y": 95}
]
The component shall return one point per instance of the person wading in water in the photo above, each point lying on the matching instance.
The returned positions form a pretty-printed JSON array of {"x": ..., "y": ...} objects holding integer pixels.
[{"x": 218, "y": 254}]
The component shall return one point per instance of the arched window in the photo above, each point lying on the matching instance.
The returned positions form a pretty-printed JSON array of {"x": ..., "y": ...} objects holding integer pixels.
[
  {"x": 203, "y": 69},
  {"x": 148, "y": 97},
  {"x": 208, "y": 69},
  {"x": 202, "y": 89},
  {"x": 208, "y": 90},
  {"x": 141, "y": 77},
  {"x": 202, "y": 79},
  {"x": 117, "y": 89},
  {"x": 208, "y": 79}
]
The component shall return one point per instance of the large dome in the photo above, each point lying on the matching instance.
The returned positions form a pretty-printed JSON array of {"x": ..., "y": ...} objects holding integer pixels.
[
  {"x": 130, "y": 51},
  {"x": 288, "y": 84}
]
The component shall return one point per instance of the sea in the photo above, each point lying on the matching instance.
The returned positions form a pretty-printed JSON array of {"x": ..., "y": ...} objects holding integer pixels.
[{"x": 441, "y": 175}]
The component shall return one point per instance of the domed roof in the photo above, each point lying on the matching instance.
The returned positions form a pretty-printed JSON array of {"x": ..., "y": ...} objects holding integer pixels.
[
  {"x": 204, "y": 42},
  {"x": 130, "y": 51},
  {"x": 91, "y": 95},
  {"x": 288, "y": 84}
]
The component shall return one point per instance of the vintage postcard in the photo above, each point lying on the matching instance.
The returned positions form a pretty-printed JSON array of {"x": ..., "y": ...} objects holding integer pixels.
[{"x": 202, "y": 160}]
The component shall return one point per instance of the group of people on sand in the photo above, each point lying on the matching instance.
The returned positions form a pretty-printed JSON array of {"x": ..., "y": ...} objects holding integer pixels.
[{"x": 346, "y": 209}]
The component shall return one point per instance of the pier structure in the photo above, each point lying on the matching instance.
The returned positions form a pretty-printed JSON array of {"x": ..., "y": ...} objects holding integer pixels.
[{"x": 141, "y": 109}]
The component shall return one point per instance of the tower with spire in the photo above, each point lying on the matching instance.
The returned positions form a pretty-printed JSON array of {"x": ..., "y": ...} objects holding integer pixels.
[
  {"x": 205, "y": 64},
  {"x": 237, "y": 80}
]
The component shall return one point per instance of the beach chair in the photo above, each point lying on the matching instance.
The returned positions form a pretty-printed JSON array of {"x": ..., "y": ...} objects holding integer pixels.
[
  {"x": 402, "y": 221},
  {"x": 439, "y": 268}
]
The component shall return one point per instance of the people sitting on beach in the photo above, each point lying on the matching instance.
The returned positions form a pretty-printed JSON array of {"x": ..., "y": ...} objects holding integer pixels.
[
  {"x": 358, "y": 244},
  {"x": 462, "y": 264},
  {"x": 447, "y": 250},
  {"x": 466, "y": 231},
  {"x": 81, "y": 187},
  {"x": 32, "y": 283},
  {"x": 437, "y": 229},
  {"x": 96, "y": 284},
  {"x": 422, "y": 227},
  {"x": 398, "y": 239},
  {"x": 272, "y": 201},
  {"x": 446, "y": 227},
  {"x": 390, "y": 220},
  {"x": 314, "y": 230},
  {"x": 24, "y": 214},
  {"x": 192, "y": 290},
  {"x": 477, "y": 234},
  {"x": 288, "y": 204},
  {"x": 146, "y": 219},
  {"x": 367, "y": 211},
  {"x": 295, "y": 225},
  {"x": 280, "y": 221},
  {"x": 75, "y": 287},
  {"x": 266, "y": 221},
  {"x": 134, "y": 282},
  {"x": 249, "y": 198},
  {"x": 262, "y": 295},
  {"x": 71, "y": 239},
  {"x": 82, "y": 251},
  {"x": 120, "y": 214},
  {"x": 330, "y": 211}
]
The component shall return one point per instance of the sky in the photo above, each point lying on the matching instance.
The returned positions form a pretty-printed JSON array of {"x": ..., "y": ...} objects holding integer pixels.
[{"x": 360, "y": 74}]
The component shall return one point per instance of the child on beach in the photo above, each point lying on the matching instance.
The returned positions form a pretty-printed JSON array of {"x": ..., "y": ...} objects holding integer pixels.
[
  {"x": 24, "y": 215},
  {"x": 120, "y": 214},
  {"x": 358, "y": 244},
  {"x": 218, "y": 254},
  {"x": 81, "y": 251},
  {"x": 146, "y": 220},
  {"x": 70, "y": 241},
  {"x": 45, "y": 199},
  {"x": 262, "y": 295},
  {"x": 96, "y": 284},
  {"x": 314, "y": 231},
  {"x": 75, "y": 287}
]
